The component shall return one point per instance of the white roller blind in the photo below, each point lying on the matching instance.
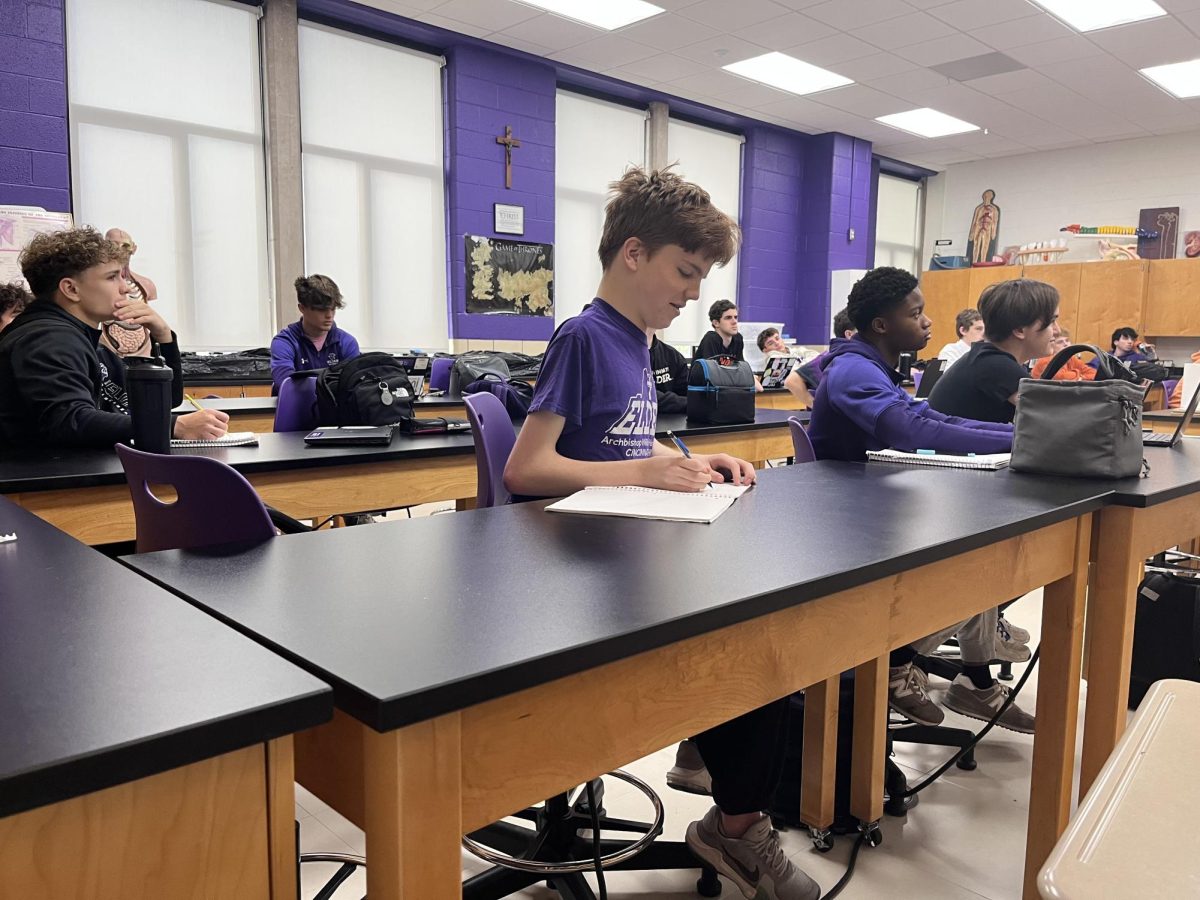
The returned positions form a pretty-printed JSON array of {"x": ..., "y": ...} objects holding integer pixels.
[
  {"x": 374, "y": 202},
  {"x": 713, "y": 160},
  {"x": 596, "y": 142},
  {"x": 167, "y": 143},
  {"x": 897, "y": 224}
]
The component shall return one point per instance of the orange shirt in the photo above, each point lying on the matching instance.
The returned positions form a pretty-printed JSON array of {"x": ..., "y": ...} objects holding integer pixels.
[{"x": 1075, "y": 369}]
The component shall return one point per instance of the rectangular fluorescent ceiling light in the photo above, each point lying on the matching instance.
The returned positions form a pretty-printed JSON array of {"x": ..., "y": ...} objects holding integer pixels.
[
  {"x": 606, "y": 14},
  {"x": 1181, "y": 79},
  {"x": 926, "y": 122},
  {"x": 1088, "y": 15},
  {"x": 787, "y": 73}
]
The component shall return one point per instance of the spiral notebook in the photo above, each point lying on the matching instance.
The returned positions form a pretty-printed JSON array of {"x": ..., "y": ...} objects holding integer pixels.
[
  {"x": 233, "y": 439},
  {"x": 984, "y": 461},
  {"x": 648, "y": 503}
]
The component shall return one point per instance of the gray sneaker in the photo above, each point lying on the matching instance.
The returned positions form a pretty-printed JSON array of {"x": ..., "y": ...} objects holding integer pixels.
[
  {"x": 1008, "y": 648},
  {"x": 1018, "y": 634},
  {"x": 908, "y": 694},
  {"x": 755, "y": 862},
  {"x": 967, "y": 700},
  {"x": 689, "y": 772}
]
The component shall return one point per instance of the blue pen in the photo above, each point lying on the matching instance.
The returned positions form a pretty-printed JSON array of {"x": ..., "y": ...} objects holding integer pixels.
[{"x": 680, "y": 444}]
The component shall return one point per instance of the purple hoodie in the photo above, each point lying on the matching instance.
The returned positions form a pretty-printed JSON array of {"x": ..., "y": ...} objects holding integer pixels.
[{"x": 860, "y": 406}]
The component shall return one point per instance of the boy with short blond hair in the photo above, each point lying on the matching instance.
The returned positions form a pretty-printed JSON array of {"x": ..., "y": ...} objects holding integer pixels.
[{"x": 592, "y": 422}]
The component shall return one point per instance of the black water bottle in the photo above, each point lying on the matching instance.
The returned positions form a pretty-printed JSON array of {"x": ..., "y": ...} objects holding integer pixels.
[{"x": 148, "y": 383}]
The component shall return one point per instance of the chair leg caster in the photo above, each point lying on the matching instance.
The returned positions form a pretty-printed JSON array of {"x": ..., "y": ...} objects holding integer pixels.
[
  {"x": 822, "y": 839},
  {"x": 871, "y": 833}
]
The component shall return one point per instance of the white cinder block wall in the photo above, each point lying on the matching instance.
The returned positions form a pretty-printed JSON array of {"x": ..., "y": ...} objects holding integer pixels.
[{"x": 1038, "y": 193}]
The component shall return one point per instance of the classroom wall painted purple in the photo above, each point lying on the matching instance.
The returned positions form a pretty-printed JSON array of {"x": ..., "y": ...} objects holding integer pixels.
[{"x": 34, "y": 162}]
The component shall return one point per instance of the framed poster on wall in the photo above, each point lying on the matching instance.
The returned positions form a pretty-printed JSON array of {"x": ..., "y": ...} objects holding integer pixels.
[{"x": 509, "y": 277}]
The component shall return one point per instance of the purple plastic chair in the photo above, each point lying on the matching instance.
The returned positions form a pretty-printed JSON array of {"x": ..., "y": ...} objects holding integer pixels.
[
  {"x": 296, "y": 407},
  {"x": 802, "y": 448},
  {"x": 215, "y": 504},
  {"x": 494, "y": 439},
  {"x": 439, "y": 373},
  {"x": 1168, "y": 389}
]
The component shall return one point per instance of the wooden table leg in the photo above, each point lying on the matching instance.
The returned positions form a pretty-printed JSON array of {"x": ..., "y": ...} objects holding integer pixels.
[
  {"x": 281, "y": 818},
  {"x": 819, "y": 776},
  {"x": 1057, "y": 710},
  {"x": 1111, "y": 605},
  {"x": 413, "y": 786},
  {"x": 870, "y": 740}
]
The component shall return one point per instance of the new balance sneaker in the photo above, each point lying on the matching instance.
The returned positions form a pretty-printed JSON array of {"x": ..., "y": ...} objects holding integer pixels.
[
  {"x": 1009, "y": 649},
  {"x": 1018, "y": 634},
  {"x": 755, "y": 862},
  {"x": 908, "y": 694},
  {"x": 689, "y": 772},
  {"x": 967, "y": 700}
]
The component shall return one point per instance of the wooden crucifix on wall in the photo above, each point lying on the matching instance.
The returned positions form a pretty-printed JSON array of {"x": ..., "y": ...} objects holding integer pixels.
[{"x": 509, "y": 143}]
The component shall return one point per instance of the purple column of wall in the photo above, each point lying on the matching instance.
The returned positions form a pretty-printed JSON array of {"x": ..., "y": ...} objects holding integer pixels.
[
  {"x": 836, "y": 197},
  {"x": 489, "y": 91},
  {"x": 34, "y": 162}
]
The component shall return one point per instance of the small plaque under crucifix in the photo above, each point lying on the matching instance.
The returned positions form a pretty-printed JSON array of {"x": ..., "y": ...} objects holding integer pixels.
[{"x": 509, "y": 143}]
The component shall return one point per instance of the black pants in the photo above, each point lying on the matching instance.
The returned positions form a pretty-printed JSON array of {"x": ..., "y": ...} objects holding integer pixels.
[{"x": 744, "y": 756}]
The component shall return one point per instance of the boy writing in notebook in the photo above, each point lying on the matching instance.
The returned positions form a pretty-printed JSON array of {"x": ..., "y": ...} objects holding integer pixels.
[
  {"x": 592, "y": 422},
  {"x": 860, "y": 406}
]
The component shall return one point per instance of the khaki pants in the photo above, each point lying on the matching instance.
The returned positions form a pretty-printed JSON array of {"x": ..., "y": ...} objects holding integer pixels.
[{"x": 976, "y": 639}]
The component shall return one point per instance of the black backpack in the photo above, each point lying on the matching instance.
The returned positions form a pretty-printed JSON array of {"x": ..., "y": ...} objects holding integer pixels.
[
  {"x": 720, "y": 394},
  {"x": 371, "y": 389}
]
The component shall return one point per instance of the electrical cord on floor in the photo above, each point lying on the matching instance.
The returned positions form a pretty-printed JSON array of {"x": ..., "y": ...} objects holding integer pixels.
[
  {"x": 591, "y": 797},
  {"x": 845, "y": 879},
  {"x": 1012, "y": 697}
]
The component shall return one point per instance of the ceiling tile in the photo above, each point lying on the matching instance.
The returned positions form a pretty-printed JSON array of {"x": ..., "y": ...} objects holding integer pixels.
[
  {"x": 603, "y": 53},
  {"x": 903, "y": 31},
  {"x": 508, "y": 40},
  {"x": 721, "y": 50},
  {"x": 846, "y": 14},
  {"x": 1149, "y": 43},
  {"x": 1178, "y": 6},
  {"x": 668, "y": 31},
  {"x": 551, "y": 32},
  {"x": 1008, "y": 82},
  {"x": 860, "y": 100},
  {"x": 967, "y": 15},
  {"x": 943, "y": 50},
  {"x": 832, "y": 50},
  {"x": 1191, "y": 19},
  {"x": 880, "y": 65},
  {"x": 486, "y": 13},
  {"x": 1019, "y": 32},
  {"x": 454, "y": 25},
  {"x": 664, "y": 67},
  {"x": 910, "y": 84},
  {"x": 786, "y": 31},
  {"x": 721, "y": 14},
  {"x": 797, "y": 109},
  {"x": 1062, "y": 49}
]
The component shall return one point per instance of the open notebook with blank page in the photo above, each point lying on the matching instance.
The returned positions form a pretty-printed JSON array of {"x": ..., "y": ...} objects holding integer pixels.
[{"x": 649, "y": 503}]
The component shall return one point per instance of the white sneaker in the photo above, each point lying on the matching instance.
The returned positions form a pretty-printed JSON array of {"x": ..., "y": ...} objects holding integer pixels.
[
  {"x": 1018, "y": 634},
  {"x": 689, "y": 772},
  {"x": 755, "y": 862}
]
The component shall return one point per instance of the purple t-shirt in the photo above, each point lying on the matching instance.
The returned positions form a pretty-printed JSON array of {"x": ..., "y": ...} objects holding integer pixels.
[{"x": 596, "y": 375}]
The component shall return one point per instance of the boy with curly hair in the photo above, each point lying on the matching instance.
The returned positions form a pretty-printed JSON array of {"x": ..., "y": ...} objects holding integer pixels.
[{"x": 56, "y": 387}]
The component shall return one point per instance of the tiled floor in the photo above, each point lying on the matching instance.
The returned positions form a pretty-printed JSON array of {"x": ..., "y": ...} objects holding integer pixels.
[{"x": 966, "y": 839}]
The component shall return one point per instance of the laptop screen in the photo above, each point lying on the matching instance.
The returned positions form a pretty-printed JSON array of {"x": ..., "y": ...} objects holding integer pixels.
[{"x": 776, "y": 371}]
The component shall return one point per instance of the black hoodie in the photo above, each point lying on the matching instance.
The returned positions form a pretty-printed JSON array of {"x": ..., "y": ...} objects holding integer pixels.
[
  {"x": 50, "y": 377},
  {"x": 670, "y": 377}
]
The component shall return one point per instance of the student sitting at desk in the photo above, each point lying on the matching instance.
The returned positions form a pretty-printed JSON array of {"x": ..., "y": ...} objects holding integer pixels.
[
  {"x": 803, "y": 380},
  {"x": 861, "y": 406},
  {"x": 56, "y": 387},
  {"x": 969, "y": 325},
  {"x": 1074, "y": 369},
  {"x": 592, "y": 422},
  {"x": 670, "y": 372},
  {"x": 724, "y": 339},
  {"x": 13, "y": 300},
  {"x": 1020, "y": 322},
  {"x": 770, "y": 343},
  {"x": 314, "y": 342}
]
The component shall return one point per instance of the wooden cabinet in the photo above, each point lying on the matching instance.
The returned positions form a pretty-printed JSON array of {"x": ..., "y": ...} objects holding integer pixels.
[
  {"x": 945, "y": 295},
  {"x": 1065, "y": 277},
  {"x": 1111, "y": 295},
  {"x": 1173, "y": 298}
]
